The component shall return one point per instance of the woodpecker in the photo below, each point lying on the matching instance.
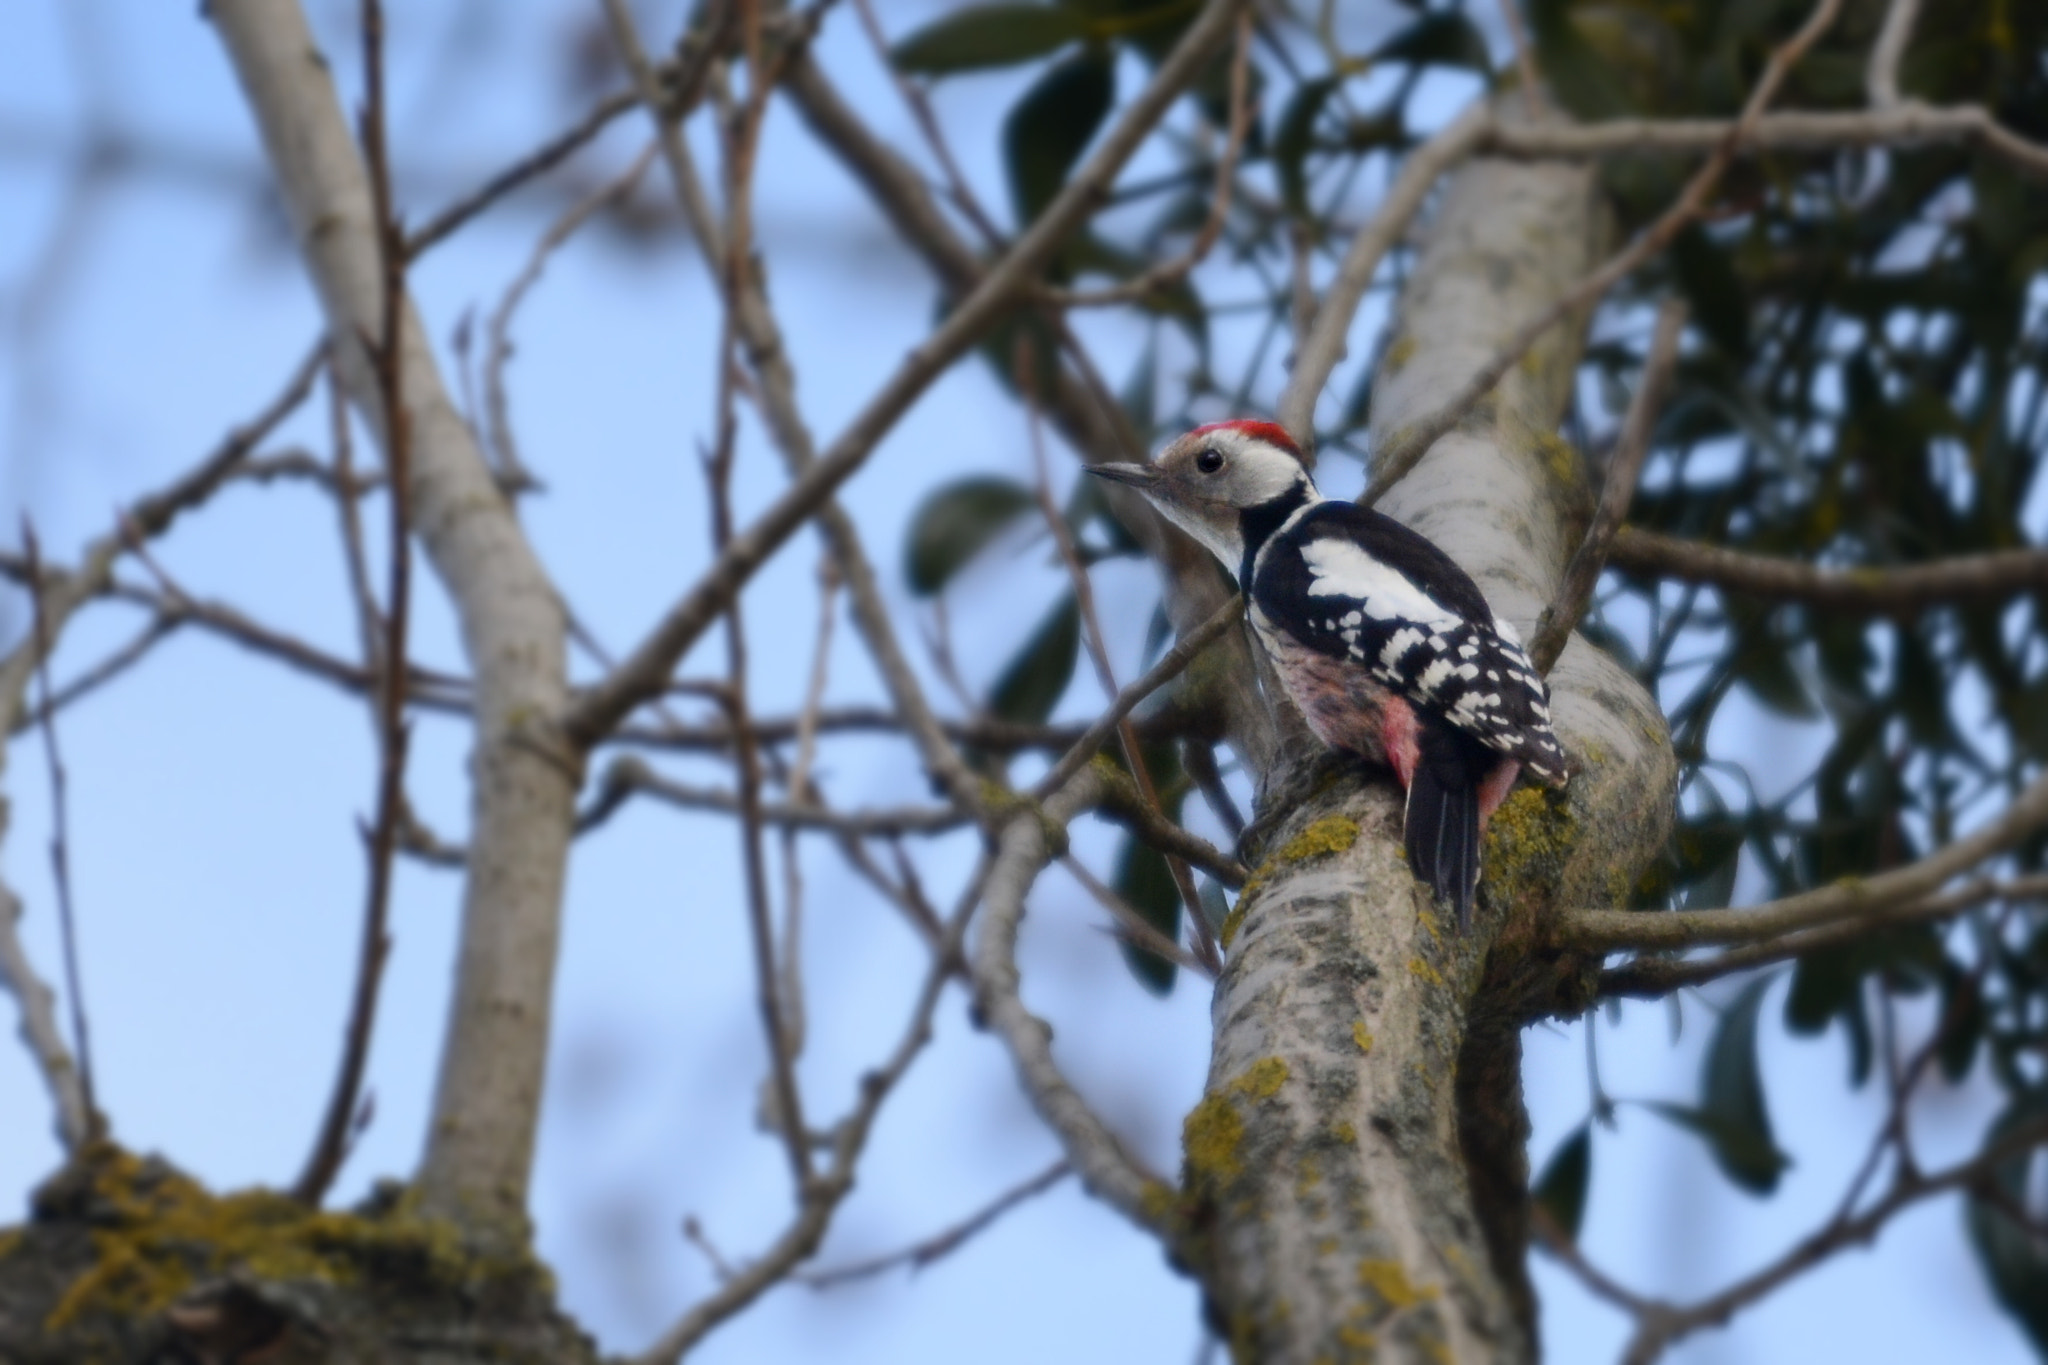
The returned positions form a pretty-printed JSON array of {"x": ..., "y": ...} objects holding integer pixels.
[{"x": 1387, "y": 647}]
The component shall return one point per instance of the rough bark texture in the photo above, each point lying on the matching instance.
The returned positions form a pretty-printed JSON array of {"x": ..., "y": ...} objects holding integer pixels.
[
  {"x": 125, "y": 1259},
  {"x": 486, "y": 1106},
  {"x": 1357, "y": 1164}
]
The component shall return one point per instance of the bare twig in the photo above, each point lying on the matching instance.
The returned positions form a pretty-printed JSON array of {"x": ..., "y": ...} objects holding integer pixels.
[
  {"x": 534, "y": 164},
  {"x": 920, "y": 108},
  {"x": 1654, "y": 977},
  {"x": 39, "y": 1030},
  {"x": 821, "y": 1198},
  {"x": 1888, "y": 590},
  {"x": 1132, "y": 927},
  {"x": 1525, "y": 59},
  {"x": 1391, "y": 465},
  {"x": 1170, "y": 666},
  {"x": 100, "y": 674},
  {"x": 1907, "y": 124},
  {"x": 1172, "y": 272},
  {"x": 393, "y": 733},
  {"x": 1317, "y": 353},
  {"x": 1098, "y": 653},
  {"x": 1110, "y": 1171},
  {"x": 512, "y": 472},
  {"x": 1881, "y": 78},
  {"x": 645, "y": 671},
  {"x": 921, "y": 1254},
  {"x": 1561, "y": 617},
  {"x": 60, "y": 849},
  {"x": 1614, "y": 930}
]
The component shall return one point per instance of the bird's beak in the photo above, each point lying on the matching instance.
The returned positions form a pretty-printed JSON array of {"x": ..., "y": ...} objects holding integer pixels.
[{"x": 1139, "y": 476}]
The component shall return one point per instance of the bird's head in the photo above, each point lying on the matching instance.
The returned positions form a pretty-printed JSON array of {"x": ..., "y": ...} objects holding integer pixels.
[{"x": 1207, "y": 482}]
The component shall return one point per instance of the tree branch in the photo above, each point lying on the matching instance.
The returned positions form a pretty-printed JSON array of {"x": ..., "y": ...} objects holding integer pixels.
[
  {"x": 486, "y": 1107},
  {"x": 1605, "y": 931},
  {"x": 1888, "y": 590},
  {"x": 1582, "y": 574}
]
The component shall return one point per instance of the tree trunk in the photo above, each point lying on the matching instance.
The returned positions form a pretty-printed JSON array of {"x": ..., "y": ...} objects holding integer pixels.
[
  {"x": 479, "y": 1151},
  {"x": 1357, "y": 1165}
]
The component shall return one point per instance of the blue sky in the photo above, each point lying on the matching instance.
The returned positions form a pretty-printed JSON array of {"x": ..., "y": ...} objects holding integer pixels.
[{"x": 214, "y": 797}]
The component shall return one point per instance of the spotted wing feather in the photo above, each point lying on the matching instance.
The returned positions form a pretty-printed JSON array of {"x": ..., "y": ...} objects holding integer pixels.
[{"x": 1353, "y": 584}]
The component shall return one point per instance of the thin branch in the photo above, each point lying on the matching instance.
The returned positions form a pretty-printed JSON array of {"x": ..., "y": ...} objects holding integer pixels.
[
  {"x": 538, "y": 162},
  {"x": 39, "y": 1030},
  {"x": 1169, "y": 273},
  {"x": 628, "y": 775},
  {"x": 1890, "y": 590},
  {"x": 1408, "y": 447},
  {"x": 940, "y": 1245},
  {"x": 99, "y": 675},
  {"x": 1525, "y": 59},
  {"x": 60, "y": 853},
  {"x": 821, "y": 1198},
  {"x": 1170, "y": 666},
  {"x": 1907, "y": 124},
  {"x": 1098, "y": 654},
  {"x": 1110, "y": 1171},
  {"x": 512, "y": 470},
  {"x": 645, "y": 672},
  {"x": 331, "y": 1144},
  {"x": 1664, "y": 1325},
  {"x": 1132, "y": 927},
  {"x": 1317, "y": 353},
  {"x": 1881, "y": 78},
  {"x": 928, "y": 125},
  {"x": 1554, "y": 628},
  {"x": 1849, "y": 899},
  {"x": 1651, "y": 978}
]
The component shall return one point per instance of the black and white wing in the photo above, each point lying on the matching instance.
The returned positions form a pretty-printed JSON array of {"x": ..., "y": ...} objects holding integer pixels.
[{"x": 1359, "y": 586}]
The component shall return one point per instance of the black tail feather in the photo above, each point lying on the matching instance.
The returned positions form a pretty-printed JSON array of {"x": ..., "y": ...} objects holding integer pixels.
[{"x": 1442, "y": 833}]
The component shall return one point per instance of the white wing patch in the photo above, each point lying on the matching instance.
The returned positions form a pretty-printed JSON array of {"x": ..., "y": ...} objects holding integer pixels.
[{"x": 1338, "y": 568}]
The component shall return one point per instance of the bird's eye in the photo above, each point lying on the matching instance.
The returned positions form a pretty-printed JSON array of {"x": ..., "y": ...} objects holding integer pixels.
[{"x": 1209, "y": 461}]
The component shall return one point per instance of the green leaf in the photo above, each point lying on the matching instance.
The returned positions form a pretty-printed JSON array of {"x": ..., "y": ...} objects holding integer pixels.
[
  {"x": 1440, "y": 38},
  {"x": 983, "y": 36},
  {"x": 1031, "y": 686},
  {"x": 1751, "y": 1163},
  {"x": 1561, "y": 1189},
  {"x": 1707, "y": 278},
  {"x": 2014, "y": 1259},
  {"x": 1576, "y": 71},
  {"x": 1732, "y": 1110},
  {"x": 1963, "y": 1023},
  {"x": 957, "y": 522},
  {"x": 1052, "y": 125},
  {"x": 1146, "y": 884},
  {"x": 1291, "y": 141}
]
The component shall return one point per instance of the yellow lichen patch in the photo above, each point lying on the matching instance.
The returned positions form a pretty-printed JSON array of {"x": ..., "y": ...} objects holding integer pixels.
[
  {"x": 1423, "y": 971},
  {"x": 1360, "y": 1036},
  {"x": 163, "y": 1232},
  {"x": 1390, "y": 1281},
  {"x": 1527, "y": 842},
  {"x": 1262, "y": 1079},
  {"x": 1210, "y": 1137},
  {"x": 1345, "y": 1133},
  {"x": 1307, "y": 1176},
  {"x": 1428, "y": 921},
  {"x": 1357, "y": 1338},
  {"x": 1434, "y": 1347},
  {"x": 1398, "y": 354},
  {"x": 1234, "y": 921},
  {"x": 1331, "y": 834},
  {"x": 10, "y": 1241},
  {"x": 1212, "y": 1131}
]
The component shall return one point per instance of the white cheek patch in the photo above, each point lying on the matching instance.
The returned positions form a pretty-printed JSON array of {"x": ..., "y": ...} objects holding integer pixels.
[
  {"x": 1223, "y": 540},
  {"x": 1339, "y": 568}
]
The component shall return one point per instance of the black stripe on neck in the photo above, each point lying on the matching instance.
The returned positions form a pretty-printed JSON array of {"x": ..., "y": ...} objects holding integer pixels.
[{"x": 1257, "y": 524}]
